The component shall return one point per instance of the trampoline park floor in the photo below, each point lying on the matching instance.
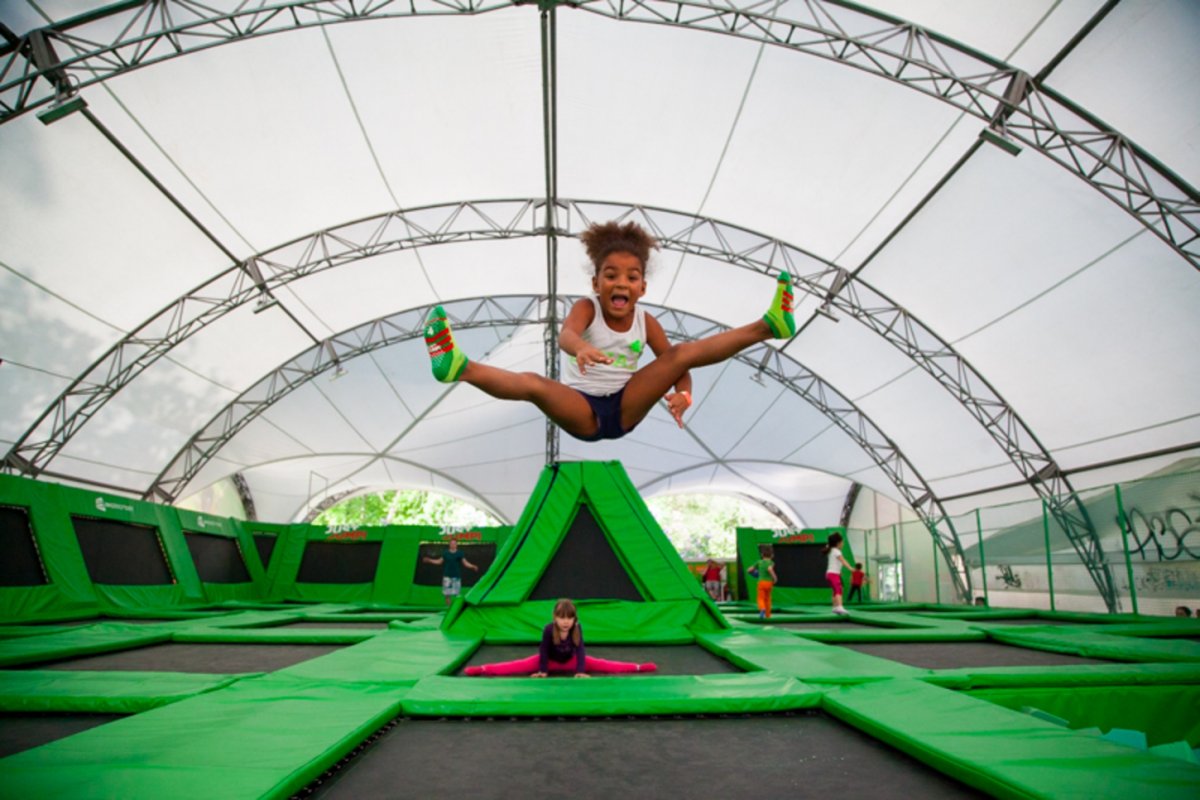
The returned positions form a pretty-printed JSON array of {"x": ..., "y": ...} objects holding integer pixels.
[{"x": 937, "y": 711}]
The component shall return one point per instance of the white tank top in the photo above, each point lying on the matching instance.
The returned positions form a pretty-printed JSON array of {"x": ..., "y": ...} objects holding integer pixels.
[
  {"x": 835, "y": 561},
  {"x": 624, "y": 349}
]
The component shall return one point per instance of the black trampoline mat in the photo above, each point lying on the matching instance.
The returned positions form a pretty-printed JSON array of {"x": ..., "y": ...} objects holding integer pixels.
[
  {"x": 194, "y": 657},
  {"x": 20, "y": 732},
  {"x": 768, "y": 756},
  {"x": 687, "y": 659},
  {"x": 953, "y": 655},
  {"x": 379, "y": 626},
  {"x": 837, "y": 625}
]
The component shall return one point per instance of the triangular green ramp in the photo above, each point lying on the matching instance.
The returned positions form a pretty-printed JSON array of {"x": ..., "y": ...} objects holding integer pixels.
[{"x": 586, "y": 534}]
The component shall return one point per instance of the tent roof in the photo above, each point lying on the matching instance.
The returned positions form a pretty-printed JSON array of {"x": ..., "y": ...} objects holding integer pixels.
[{"x": 1002, "y": 321}]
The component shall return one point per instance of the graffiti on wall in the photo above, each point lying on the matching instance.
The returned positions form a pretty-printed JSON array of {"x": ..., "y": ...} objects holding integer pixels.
[
  {"x": 1010, "y": 579},
  {"x": 1166, "y": 535}
]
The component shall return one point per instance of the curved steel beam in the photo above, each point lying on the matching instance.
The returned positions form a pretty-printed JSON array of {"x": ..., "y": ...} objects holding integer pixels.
[
  {"x": 1012, "y": 102},
  {"x": 259, "y": 275},
  {"x": 490, "y": 312}
]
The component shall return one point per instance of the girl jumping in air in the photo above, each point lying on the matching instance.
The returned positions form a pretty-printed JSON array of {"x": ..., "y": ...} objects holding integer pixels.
[
  {"x": 833, "y": 570},
  {"x": 605, "y": 395},
  {"x": 561, "y": 650}
]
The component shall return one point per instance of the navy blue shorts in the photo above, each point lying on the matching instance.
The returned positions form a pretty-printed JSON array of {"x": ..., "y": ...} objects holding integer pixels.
[{"x": 607, "y": 411}]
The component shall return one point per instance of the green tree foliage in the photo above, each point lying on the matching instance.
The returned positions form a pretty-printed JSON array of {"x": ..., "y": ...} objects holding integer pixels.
[
  {"x": 404, "y": 508},
  {"x": 703, "y": 525},
  {"x": 699, "y": 525}
]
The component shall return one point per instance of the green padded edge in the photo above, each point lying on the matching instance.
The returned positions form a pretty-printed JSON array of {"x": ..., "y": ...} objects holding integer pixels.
[
  {"x": 272, "y": 635},
  {"x": 234, "y": 746},
  {"x": 400, "y": 616},
  {"x": 603, "y": 621},
  {"x": 1067, "y": 675},
  {"x": 608, "y": 696},
  {"x": 1165, "y": 713},
  {"x": 98, "y": 692},
  {"x": 83, "y": 641},
  {"x": 1094, "y": 644},
  {"x": 780, "y": 652},
  {"x": 1005, "y": 753},
  {"x": 394, "y": 656}
]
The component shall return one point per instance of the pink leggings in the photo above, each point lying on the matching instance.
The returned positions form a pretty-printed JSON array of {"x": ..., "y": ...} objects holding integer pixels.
[{"x": 528, "y": 666}]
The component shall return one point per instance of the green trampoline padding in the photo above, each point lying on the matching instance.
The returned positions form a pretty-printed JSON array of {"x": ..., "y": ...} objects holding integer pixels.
[
  {"x": 606, "y": 696},
  {"x": 1067, "y": 676},
  {"x": 101, "y": 692},
  {"x": 1005, "y": 753},
  {"x": 263, "y": 737},
  {"x": 1093, "y": 643},
  {"x": 604, "y": 622},
  {"x": 1165, "y": 713},
  {"x": 396, "y": 616},
  {"x": 781, "y": 652},
  {"x": 87, "y": 640},
  {"x": 393, "y": 657},
  {"x": 273, "y": 635}
]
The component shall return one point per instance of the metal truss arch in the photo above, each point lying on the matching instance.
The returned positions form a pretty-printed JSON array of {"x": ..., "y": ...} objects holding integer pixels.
[
  {"x": 1013, "y": 104},
  {"x": 259, "y": 275},
  {"x": 493, "y": 312}
]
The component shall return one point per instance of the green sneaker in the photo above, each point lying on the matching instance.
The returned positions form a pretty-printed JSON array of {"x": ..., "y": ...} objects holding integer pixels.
[
  {"x": 448, "y": 361},
  {"x": 779, "y": 316}
]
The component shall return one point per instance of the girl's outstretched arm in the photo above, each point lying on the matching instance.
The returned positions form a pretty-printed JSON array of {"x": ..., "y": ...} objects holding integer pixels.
[
  {"x": 570, "y": 338},
  {"x": 681, "y": 399}
]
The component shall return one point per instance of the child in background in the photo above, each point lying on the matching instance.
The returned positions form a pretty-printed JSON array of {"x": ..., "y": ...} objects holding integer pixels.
[
  {"x": 451, "y": 570},
  {"x": 604, "y": 394},
  {"x": 712, "y": 579},
  {"x": 764, "y": 570},
  {"x": 561, "y": 650},
  {"x": 833, "y": 570},
  {"x": 857, "y": 579}
]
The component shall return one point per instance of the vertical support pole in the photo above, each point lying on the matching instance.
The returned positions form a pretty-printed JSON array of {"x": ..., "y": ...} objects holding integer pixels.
[
  {"x": 896, "y": 563},
  {"x": 867, "y": 565},
  {"x": 1125, "y": 547},
  {"x": 982, "y": 560},
  {"x": 1049, "y": 563},
  {"x": 937, "y": 584},
  {"x": 550, "y": 139}
]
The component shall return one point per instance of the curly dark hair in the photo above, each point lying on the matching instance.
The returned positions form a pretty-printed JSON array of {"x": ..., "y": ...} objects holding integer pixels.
[{"x": 604, "y": 238}]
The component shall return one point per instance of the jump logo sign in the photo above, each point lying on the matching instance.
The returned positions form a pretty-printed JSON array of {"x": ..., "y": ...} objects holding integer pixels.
[
  {"x": 780, "y": 535},
  {"x": 344, "y": 532},
  {"x": 460, "y": 533},
  {"x": 104, "y": 506}
]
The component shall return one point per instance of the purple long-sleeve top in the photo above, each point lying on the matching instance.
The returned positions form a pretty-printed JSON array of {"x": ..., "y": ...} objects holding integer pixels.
[{"x": 560, "y": 653}]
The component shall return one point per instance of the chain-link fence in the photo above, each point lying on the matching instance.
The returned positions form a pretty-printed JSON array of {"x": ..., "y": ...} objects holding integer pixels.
[{"x": 1145, "y": 553}]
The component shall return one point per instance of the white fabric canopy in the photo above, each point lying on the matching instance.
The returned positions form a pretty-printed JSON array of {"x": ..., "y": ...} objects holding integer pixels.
[{"x": 1071, "y": 310}]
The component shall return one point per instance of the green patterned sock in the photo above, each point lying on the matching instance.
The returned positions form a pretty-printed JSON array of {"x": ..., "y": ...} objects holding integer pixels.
[
  {"x": 448, "y": 361},
  {"x": 779, "y": 316}
]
